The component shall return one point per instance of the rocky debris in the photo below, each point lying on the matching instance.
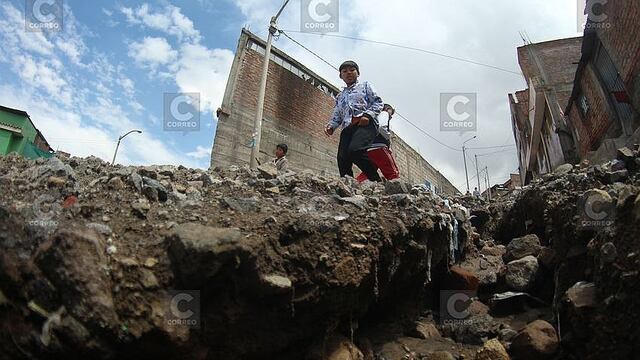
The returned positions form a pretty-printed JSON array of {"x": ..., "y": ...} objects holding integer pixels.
[
  {"x": 343, "y": 190},
  {"x": 273, "y": 271},
  {"x": 547, "y": 258},
  {"x": 537, "y": 341},
  {"x": 487, "y": 268},
  {"x": 510, "y": 302},
  {"x": 608, "y": 252},
  {"x": 629, "y": 157},
  {"x": 474, "y": 329},
  {"x": 424, "y": 330},
  {"x": 581, "y": 295},
  {"x": 148, "y": 279},
  {"x": 585, "y": 219},
  {"x": 396, "y": 187},
  {"x": 268, "y": 171},
  {"x": 336, "y": 348},
  {"x": 563, "y": 169},
  {"x": 440, "y": 355},
  {"x": 492, "y": 350},
  {"x": 478, "y": 308},
  {"x": 616, "y": 176},
  {"x": 74, "y": 261},
  {"x": 198, "y": 252},
  {"x": 576, "y": 313},
  {"x": 116, "y": 183},
  {"x": 521, "y": 273},
  {"x": 278, "y": 283},
  {"x": 319, "y": 258},
  {"x": 100, "y": 228},
  {"x": 461, "y": 279},
  {"x": 153, "y": 189},
  {"x": 522, "y": 246},
  {"x": 491, "y": 250}
]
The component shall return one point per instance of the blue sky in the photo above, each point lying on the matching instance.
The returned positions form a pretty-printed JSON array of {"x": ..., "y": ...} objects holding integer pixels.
[{"x": 107, "y": 70}]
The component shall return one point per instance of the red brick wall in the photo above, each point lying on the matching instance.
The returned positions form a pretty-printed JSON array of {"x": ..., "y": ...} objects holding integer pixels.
[
  {"x": 592, "y": 127},
  {"x": 288, "y": 98},
  {"x": 622, "y": 41},
  {"x": 622, "y": 38}
]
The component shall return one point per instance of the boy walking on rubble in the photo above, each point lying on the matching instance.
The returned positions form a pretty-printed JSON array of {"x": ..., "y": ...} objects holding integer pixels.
[{"x": 356, "y": 110}]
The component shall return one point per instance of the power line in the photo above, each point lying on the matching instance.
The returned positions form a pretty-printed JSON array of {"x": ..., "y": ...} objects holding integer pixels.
[
  {"x": 427, "y": 134},
  {"x": 497, "y": 152},
  {"x": 306, "y": 48},
  {"x": 412, "y": 48},
  {"x": 283, "y": 32},
  {"x": 489, "y": 147},
  {"x": 397, "y": 113}
]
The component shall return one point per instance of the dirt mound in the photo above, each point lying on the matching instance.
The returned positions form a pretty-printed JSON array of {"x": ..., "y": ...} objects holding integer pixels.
[{"x": 160, "y": 261}]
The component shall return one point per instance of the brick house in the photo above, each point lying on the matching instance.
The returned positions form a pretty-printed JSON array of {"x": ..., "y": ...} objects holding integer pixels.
[
  {"x": 543, "y": 136},
  {"x": 604, "y": 104},
  {"x": 298, "y": 104}
]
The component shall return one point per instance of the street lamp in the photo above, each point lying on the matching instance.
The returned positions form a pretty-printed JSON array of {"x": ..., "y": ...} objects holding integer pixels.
[
  {"x": 118, "y": 145},
  {"x": 257, "y": 124},
  {"x": 464, "y": 158}
]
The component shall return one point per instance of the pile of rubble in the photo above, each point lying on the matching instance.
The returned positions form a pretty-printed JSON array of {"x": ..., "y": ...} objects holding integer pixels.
[
  {"x": 569, "y": 246},
  {"x": 551, "y": 273},
  {"x": 99, "y": 260},
  {"x": 94, "y": 256}
]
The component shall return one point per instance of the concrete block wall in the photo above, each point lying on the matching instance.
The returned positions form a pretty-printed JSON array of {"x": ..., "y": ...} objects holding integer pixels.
[{"x": 298, "y": 104}]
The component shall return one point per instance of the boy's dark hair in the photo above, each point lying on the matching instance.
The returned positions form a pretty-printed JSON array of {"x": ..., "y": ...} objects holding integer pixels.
[
  {"x": 387, "y": 106},
  {"x": 284, "y": 148},
  {"x": 349, "y": 63}
]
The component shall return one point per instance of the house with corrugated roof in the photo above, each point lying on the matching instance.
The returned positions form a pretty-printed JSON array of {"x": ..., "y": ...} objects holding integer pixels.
[{"x": 18, "y": 134}]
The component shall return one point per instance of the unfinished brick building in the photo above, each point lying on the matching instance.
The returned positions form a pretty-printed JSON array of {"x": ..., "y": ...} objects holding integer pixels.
[
  {"x": 604, "y": 105},
  {"x": 543, "y": 136},
  {"x": 298, "y": 104}
]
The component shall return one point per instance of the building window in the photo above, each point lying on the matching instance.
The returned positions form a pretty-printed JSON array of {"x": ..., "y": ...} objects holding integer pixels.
[{"x": 583, "y": 104}]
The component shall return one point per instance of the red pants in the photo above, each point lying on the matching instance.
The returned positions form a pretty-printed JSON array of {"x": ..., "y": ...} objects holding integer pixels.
[{"x": 383, "y": 160}]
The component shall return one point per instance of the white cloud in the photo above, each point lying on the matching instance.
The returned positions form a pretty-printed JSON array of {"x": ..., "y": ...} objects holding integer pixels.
[
  {"x": 204, "y": 71},
  {"x": 14, "y": 36},
  {"x": 43, "y": 75},
  {"x": 196, "y": 68},
  {"x": 201, "y": 152},
  {"x": 170, "y": 20},
  {"x": 127, "y": 85},
  {"x": 136, "y": 106},
  {"x": 152, "y": 51}
]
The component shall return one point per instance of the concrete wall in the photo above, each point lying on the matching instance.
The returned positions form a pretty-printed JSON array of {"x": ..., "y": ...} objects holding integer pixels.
[{"x": 298, "y": 104}]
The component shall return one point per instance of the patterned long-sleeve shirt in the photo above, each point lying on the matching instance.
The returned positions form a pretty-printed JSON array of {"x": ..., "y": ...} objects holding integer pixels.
[{"x": 355, "y": 101}]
